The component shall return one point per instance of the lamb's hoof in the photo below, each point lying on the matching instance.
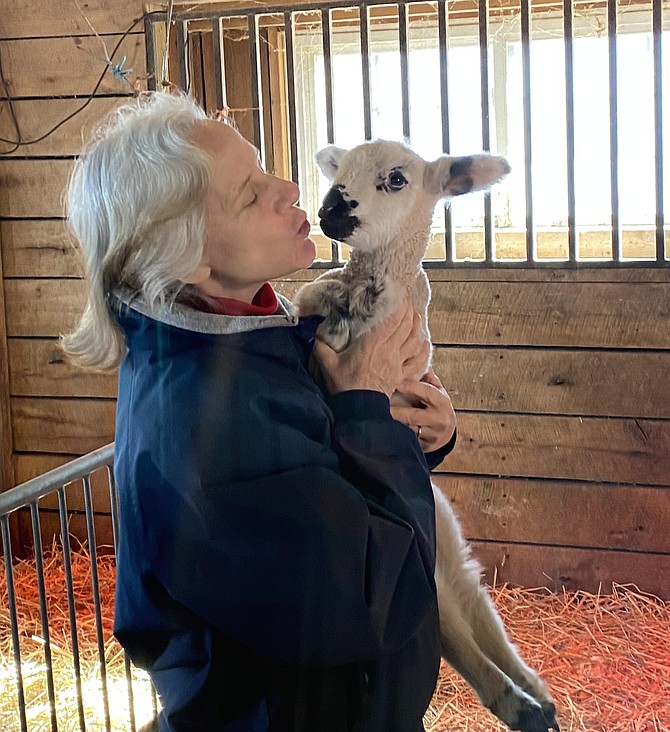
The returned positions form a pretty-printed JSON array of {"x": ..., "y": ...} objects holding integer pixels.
[
  {"x": 520, "y": 711},
  {"x": 534, "y": 718}
]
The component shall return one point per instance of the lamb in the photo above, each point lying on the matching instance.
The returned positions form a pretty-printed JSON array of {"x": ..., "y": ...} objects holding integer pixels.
[{"x": 380, "y": 203}]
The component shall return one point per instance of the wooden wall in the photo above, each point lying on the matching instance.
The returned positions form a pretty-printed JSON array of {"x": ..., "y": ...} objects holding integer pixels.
[
  {"x": 561, "y": 473},
  {"x": 51, "y": 59}
]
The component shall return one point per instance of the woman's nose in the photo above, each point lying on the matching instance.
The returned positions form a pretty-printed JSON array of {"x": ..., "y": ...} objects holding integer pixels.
[{"x": 286, "y": 191}]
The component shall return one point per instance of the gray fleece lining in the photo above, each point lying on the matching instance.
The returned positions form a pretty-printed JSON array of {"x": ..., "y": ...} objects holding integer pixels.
[{"x": 182, "y": 316}]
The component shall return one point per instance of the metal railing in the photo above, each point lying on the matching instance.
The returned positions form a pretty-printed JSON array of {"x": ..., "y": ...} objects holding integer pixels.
[
  {"x": 28, "y": 495},
  {"x": 248, "y": 21}
]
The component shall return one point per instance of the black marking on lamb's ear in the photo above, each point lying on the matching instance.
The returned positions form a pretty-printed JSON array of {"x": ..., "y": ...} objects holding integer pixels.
[
  {"x": 465, "y": 185},
  {"x": 460, "y": 167}
]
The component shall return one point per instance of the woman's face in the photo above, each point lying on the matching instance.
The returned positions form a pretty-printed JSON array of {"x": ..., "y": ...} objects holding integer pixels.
[{"x": 255, "y": 232}]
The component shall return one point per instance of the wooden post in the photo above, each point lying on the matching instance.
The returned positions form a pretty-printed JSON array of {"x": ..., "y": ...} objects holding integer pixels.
[{"x": 6, "y": 467}]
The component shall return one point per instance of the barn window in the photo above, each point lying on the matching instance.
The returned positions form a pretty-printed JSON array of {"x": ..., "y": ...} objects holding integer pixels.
[{"x": 573, "y": 95}]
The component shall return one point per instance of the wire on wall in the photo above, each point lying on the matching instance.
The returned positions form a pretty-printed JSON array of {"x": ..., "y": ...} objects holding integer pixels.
[{"x": 116, "y": 69}]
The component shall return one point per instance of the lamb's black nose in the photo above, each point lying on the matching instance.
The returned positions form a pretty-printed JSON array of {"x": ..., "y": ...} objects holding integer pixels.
[{"x": 333, "y": 204}]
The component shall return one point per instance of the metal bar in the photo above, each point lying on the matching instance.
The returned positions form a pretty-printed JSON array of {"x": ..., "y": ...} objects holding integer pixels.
[
  {"x": 290, "y": 83},
  {"x": 328, "y": 80},
  {"x": 93, "y": 554},
  {"x": 614, "y": 128},
  {"x": 657, "y": 24},
  {"x": 486, "y": 125},
  {"x": 269, "y": 9},
  {"x": 527, "y": 130},
  {"x": 365, "y": 67},
  {"x": 449, "y": 243},
  {"x": 404, "y": 69},
  {"x": 44, "y": 613},
  {"x": 69, "y": 586},
  {"x": 114, "y": 507},
  {"x": 183, "y": 55},
  {"x": 76, "y": 469},
  {"x": 129, "y": 690},
  {"x": 150, "y": 49},
  {"x": 328, "y": 74},
  {"x": 13, "y": 619},
  {"x": 252, "y": 22},
  {"x": 568, "y": 37},
  {"x": 543, "y": 264},
  {"x": 219, "y": 64}
]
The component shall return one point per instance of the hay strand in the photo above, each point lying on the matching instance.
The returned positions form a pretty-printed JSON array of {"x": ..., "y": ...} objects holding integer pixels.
[{"x": 606, "y": 657}]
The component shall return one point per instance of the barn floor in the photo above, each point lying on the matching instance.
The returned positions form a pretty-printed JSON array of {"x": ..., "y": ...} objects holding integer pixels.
[{"x": 606, "y": 658}]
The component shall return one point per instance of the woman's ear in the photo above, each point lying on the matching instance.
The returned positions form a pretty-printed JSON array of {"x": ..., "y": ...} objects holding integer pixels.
[{"x": 199, "y": 275}]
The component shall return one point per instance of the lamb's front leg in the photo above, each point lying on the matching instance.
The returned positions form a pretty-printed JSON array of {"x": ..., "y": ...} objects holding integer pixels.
[
  {"x": 462, "y": 597},
  {"x": 492, "y": 639},
  {"x": 329, "y": 298}
]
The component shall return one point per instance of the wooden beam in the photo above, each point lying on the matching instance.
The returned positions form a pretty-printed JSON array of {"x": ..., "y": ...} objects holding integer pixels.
[
  {"x": 573, "y": 569},
  {"x": 40, "y": 67},
  {"x": 6, "y": 468},
  {"x": 33, "y": 18},
  {"x": 37, "y": 116},
  {"x": 593, "y": 449},
  {"x": 534, "y": 511},
  {"x": 39, "y": 248},
  {"x": 516, "y": 312}
]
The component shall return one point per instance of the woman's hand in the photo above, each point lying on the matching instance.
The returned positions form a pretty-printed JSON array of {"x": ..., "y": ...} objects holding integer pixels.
[
  {"x": 434, "y": 419},
  {"x": 379, "y": 360}
]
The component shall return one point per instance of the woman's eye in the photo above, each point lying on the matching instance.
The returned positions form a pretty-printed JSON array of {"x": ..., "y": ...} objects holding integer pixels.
[{"x": 397, "y": 180}]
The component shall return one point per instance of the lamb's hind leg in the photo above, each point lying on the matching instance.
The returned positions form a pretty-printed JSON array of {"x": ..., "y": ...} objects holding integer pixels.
[{"x": 461, "y": 598}]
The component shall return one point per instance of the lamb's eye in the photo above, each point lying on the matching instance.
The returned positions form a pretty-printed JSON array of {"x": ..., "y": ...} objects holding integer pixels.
[{"x": 397, "y": 180}]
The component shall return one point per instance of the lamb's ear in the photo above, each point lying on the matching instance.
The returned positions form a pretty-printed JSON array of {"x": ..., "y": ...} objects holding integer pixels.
[
  {"x": 454, "y": 176},
  {"x": 329, "y": 159}
]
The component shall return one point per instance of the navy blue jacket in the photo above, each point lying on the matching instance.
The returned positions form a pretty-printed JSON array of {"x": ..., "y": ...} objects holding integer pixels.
[{"x": 276, "y": 552}]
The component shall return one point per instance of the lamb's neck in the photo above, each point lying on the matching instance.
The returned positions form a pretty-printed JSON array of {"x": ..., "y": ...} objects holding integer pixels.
[{"x": 400, "y": 259}]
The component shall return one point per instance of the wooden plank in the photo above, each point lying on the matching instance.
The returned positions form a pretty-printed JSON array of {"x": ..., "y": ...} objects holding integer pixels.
[
  {"x": 573, "y": 569},
  {"x": 6, "y": 468},
  {"x": 478, "y": 313},
  {"x": 38, "y": 116},
  {"x": 560, "y": 512},
  {"x": 591, "y": 315},
  {"x": 572, "y": 448},
  {"x": 45, "y": 67},
  {"x": 40, "y": 368},
  {"x": 39, "y": 18},
  {"x": 33, "y": 188},
  {"x": 517, "y": 274},
  {"x": 29, "y": 465},
  {"x": 39, "y": 248},
  {"x": 552, "y": 314},
  {"x": 72, "y": 426},
  {"x": 556, "y": 381},
  {"x": 587, "y": 383},
  {"x": 43, "y": 307}
]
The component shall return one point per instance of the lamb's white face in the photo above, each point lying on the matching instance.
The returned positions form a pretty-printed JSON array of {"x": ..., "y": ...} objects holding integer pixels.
[{"x": 376, "y": 186}]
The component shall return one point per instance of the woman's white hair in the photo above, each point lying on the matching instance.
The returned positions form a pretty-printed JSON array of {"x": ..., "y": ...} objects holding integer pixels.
[{"x": 135, "y": 203}]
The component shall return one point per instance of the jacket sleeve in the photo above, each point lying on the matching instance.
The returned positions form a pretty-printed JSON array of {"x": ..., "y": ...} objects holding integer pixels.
[
  {"x": 309, "y": 565},
  {"x": 435, "y": 457}
]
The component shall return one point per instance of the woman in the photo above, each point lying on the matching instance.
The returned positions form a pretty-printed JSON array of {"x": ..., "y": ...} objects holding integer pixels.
[{"x": 276, "y": 552}]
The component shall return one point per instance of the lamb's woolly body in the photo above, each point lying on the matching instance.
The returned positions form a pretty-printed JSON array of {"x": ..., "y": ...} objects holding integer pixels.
[{"x": 387, "y": 223}]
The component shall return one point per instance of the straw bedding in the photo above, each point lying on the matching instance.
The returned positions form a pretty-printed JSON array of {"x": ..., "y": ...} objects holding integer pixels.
[{"x": 605, "y": 657}]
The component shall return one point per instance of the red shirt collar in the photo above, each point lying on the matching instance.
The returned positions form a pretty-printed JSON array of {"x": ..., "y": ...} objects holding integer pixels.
[{"x": 264, "y": 303}]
